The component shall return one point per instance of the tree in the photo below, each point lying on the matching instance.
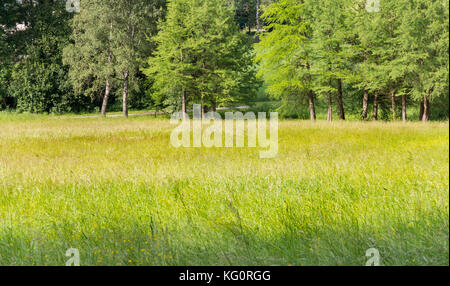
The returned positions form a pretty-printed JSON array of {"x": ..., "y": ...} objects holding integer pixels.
[
  {"x": 423, "y": 44},
  {"x": 169, "y": 67},
  {"x": 90, "y": 55},
  {"x": 202, "y": 56},
  {"x": 248, "y": 12},
  {"x": 245, "y": 13},
  {"x": 285, "y": 53},
  {"x": 331, "y": 57},
  {"x": 223, "y": 54},
  {"x": 109, "y": 41},
  {"x": 311, "y": 54},
  {"x": 36, "y": 35},
  {"x": 134, "y": 22}
]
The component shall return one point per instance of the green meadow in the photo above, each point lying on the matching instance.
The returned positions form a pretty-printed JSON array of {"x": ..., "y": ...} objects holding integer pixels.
[{"x": 116, "y": 190}]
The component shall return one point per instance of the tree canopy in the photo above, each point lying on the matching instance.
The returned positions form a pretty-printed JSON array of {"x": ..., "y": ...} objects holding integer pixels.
[{"x": 304, "y": 58}]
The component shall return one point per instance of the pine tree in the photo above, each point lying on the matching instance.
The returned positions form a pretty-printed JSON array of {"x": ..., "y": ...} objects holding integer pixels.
[
  {"x": 331, "y": 56},
  {"x": 201, "y": 57},
  {"x": 285, "y": 54},
  {"x": 169, "y": 67},
  {"x": 423, "y": 44}
]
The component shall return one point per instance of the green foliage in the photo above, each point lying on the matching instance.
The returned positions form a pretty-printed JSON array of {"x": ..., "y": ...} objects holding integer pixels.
[
  {"x": 38, "y": 87},
  {"x": 13, "y": 40},
  {"x": 5, "y": 75},
  {"x": 308, "y": 53},
  {"x": 39, "y": 81},
  {"x": 169, "y": 68},
  {"x": 109, "y": 40},
  {"x": 423, "y": 42},
  {"x": 284, "y": 53},
  {"x": 202, "y": 54},
  {"x": 330, "y": 43},
  {"x": 402, "y": 49},
  {"x": 134, "y": 22}
]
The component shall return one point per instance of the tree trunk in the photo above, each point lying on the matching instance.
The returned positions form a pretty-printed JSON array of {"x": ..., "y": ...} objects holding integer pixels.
[
  {"x": 421, "y": 110},
  {"x": 426, "y": 109},
  {"x": 125, "y": 94},
  {"x": 183, "y": 92},
  {"x": 105, "y": 97},
  {"x": 404, "y": 107},
  {"x": 375, "y": 107},
  {"x": 183, "y": 103},
  {"x": 330, "y": 107},
  {"x": 203, "y": 109},
  {"x": 203, "y": 87},
  {"x": 393, "y": 106},
  {"x": 339, "y": 101},
  {"x": 213, "y": 105},
  {"x": 108, "y": 85},
  {"x": 312, "y": 111},
  {"x": 365, "y": 105}
]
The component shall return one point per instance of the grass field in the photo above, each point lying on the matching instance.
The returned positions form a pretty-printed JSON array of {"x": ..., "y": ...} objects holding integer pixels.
[{"x": 120, "y": 193}]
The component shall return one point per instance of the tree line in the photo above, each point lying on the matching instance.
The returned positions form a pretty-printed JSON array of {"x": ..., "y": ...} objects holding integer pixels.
[
  {"x": 317, "y": 50},
  {"x": 373, "y": 58}
]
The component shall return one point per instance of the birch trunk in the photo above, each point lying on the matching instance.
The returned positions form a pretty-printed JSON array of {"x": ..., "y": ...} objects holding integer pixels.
[
  {"x": 426, "y": 109},
  {"x": 312, "y": 111},
  {"x": 108, "y": 84},
  {"x": 125, "y": 94}
]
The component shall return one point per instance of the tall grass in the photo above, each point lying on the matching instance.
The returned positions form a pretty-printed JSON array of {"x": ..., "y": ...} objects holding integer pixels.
[{"x": 120, "y": 193}]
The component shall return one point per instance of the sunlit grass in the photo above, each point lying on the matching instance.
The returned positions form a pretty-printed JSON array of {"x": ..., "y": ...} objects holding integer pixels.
[{"x": 120, "y": 193}]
